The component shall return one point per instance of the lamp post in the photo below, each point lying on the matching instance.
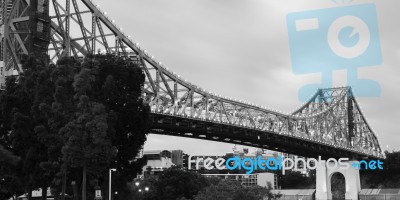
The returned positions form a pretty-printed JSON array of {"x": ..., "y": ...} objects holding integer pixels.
[{"x": 109, "y": 182}]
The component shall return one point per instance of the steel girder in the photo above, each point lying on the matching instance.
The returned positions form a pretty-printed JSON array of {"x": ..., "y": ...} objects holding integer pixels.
[
  {"x": 208, "y": 130},
  {"x": 336, "y": 117},
  {"x": 331, "y": 119},
  {"x": 25, "y": 31},
  {"x": 330, "y": 123},
  {"x": 16, "y": 28}
]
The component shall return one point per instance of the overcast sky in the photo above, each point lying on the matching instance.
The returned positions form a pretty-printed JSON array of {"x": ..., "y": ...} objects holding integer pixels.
[{"x": 240, "y": 49}]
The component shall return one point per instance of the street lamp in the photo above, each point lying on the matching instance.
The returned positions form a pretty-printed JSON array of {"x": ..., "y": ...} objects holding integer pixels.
[{"x": 109, "y": 183}]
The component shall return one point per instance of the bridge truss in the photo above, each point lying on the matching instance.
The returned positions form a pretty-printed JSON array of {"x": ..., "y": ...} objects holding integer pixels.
[{"x": 330, "y": 124}]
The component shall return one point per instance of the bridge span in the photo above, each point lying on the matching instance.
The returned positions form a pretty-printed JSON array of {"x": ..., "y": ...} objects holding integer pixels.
[{"x": 330, "y": 124}]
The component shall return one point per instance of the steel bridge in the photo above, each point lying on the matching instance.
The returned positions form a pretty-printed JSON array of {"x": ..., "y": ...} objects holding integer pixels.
[{"x": 330, "y": 124}]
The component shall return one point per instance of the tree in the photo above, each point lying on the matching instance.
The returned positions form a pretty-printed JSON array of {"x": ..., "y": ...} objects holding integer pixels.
[
  {"x": 234, "y": 190},
  {"x": 118, "y": 86},
  {"x": 74, "y": 117},
  {"x": 7, "y": 157},
  {"x": 110, "y": 122},
  {"x": 297, "y": 180},
  {"x": 7, "y": 177},
  {"x": 87, "y": 145},
  {"x": 21, "y": 120},
  {"x": 171, "y": 184},
  {"x": 389, "y": 177}
]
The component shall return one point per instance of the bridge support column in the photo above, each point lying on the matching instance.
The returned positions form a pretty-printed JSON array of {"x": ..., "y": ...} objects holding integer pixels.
[{"x": 323, "y": 184}]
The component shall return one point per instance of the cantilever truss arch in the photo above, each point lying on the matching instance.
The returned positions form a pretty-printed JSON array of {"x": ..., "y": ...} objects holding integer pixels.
[{"x": 330, "y": 123}]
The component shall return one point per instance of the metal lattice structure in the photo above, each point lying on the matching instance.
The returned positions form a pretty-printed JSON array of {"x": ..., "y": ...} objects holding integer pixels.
[
  {"x": 24, "y": 30},
  {"x": 330, "y": 124}
]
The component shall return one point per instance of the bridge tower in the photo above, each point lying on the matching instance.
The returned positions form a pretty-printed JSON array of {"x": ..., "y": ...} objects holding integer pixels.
[
  {"x": 324, "y": 175},
  {"x": 24, "y": 31}
]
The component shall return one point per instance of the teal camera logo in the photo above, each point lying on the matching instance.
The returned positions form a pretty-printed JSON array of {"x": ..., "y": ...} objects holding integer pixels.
[
  {"x": 368, "y": 165},
  {"x": 325, "y": 40}
]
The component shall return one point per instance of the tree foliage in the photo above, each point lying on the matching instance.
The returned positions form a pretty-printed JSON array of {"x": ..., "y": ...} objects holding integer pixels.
[
  {"x": 76, "y": 116},
  {"x": 7, "y": 182},
  {"x": 20, "y": 126},
  {"x": 174, "y": 183},
  {"x": 179, "y": 184},
  {"x": 297, "y": 180},
  {"x": 389, "y": 177},
  {"x": 234, "y": 190}
]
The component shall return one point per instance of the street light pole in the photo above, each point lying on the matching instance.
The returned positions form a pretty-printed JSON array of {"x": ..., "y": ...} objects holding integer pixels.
[{"x": 109, "y": 183}]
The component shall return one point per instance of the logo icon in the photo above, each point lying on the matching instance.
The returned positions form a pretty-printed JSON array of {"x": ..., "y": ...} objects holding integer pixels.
[
  {"x": 355, "y": 165},
  {"x": 335, "y": 39}
]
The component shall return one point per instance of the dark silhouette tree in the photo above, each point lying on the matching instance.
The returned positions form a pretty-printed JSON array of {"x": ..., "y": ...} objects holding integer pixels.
[
  {"x": 388, "y": 177},
  {"x": 297, "y": 180},
  {"x": 21, "y": 122},
  {"x": 7, "y": 177},
  {"x": 170, "y": 184},
  {"x": 234, "y": 190},
  {"x": 73, "y": 117}
]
